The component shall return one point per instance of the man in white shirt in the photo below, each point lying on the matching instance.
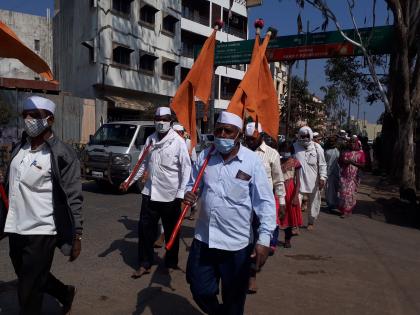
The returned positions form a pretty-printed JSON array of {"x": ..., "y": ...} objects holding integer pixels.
[
  {"x": 233, "y": 188},
  {"x": 313, "y": 174},
  {"x": 45, "y": 200},
  {"x": 271, "y": 161},
  {"x": 168, "y": 165}
]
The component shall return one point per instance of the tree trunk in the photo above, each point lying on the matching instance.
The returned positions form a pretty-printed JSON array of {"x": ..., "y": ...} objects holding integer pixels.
[{"x": 402, "y": 107}]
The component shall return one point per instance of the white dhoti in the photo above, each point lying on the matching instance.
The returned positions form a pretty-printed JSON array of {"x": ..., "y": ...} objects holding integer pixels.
[{"x": 313, "y": 204}]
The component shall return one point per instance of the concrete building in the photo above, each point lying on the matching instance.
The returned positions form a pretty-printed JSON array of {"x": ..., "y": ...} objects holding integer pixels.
[
  {"x": 123, "y": 51},
  {"x": 198, "y": 17},
  {"x": 36, "y": 33}
]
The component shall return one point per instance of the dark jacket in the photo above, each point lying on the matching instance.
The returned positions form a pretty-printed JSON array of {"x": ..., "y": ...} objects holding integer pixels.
[{"x": 67, "y": 191}]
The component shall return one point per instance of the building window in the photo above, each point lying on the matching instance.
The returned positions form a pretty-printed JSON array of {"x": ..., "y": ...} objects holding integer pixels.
[
  {"x": 37, "y": 45},
  {"x": 169, "y": 25},
  {"x": 147, "y": 63},
  {"x": 147, "y": 15},
  {"x": 121, "y": 55},
  {"x": 122, "y": 7},
  {"x": 168, "y": 69}
]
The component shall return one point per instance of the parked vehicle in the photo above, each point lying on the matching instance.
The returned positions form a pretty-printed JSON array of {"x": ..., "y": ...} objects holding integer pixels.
[{"x": 113, "y": 151}]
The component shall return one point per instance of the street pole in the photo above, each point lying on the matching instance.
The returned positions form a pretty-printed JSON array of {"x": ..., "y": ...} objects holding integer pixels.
[
  {"x": 348, "y": 116},
  {"x": 306, "y": 60},
  {"x": 358, "y": 109},
  {"x": 289, "y": 96}
]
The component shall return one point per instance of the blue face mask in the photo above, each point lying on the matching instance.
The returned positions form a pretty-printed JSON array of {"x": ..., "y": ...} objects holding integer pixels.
[{"x": 223, "y": 145}]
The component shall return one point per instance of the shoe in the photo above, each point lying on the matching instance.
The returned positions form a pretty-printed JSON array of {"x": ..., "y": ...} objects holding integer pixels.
[
  {"x": 287, "y": 244},
  {"x": 252, "y": 285},
  {"x": 140, "y": 272},
  {"x": 67, "y": 303},
  {"x": 160, "y": 241}
]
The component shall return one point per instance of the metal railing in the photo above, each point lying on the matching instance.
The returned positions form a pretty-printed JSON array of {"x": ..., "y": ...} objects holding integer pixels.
[{"x": 188, "y": 14}]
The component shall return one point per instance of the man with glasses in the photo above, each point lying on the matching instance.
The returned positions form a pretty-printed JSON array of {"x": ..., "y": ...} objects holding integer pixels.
[
  {"x": 168, "y": 166},
  {"x": 45, "y": 201},
  {"x": 313, "y": 174},
  {"x": 233, "y": 186}
]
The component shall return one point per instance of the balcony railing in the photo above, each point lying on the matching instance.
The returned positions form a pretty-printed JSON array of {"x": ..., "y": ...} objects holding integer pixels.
[
  {"x": 236, "y": 32},
  {"x": 189, "y": 14},
  {"x": 187, "y": 52}
]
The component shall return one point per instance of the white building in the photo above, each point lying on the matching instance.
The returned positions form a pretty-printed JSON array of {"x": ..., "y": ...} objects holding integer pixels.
[
  {"x": 36, "y": 33},
  {"x": 124, "y": 51},
  {"x": 198, "y": 17}
]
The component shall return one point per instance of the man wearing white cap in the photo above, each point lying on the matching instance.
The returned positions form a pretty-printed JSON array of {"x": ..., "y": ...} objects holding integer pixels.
[
  {"x": 169, "y": 167},
  {"x": 314, "y": 172},
  {"x": 233, "y": 185},
  {"x": 271, "y": 161},
  {"x": 45, "y": 201}
]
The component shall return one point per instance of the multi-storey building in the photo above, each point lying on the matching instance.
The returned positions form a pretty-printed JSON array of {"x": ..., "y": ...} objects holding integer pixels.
[
  {"x": 124, "y": 51},
  {"x": 198, "y": 17},
  {"x": 36, "y": 33}
]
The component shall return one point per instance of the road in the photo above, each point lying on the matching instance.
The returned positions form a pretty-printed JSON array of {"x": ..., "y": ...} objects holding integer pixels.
[{"x": 354, "y": 266}]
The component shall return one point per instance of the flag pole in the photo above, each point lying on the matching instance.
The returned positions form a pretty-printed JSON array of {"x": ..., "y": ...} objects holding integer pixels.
[
  {"x": 186, "y": 207},
  {"x": 137, "y": 166}
]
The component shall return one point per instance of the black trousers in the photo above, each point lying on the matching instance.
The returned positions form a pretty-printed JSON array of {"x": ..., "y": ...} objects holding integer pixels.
[
  {"x": 206, "y": 267},
  {"x": 32, "y": 256},
  {"x": 151, "y": 212}
]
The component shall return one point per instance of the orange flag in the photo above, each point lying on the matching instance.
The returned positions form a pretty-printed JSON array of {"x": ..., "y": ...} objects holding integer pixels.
[
  {"x": 197, "y": 84},
  {"x": 12, "y": 47},
  {"x": 256, "y": 93}
]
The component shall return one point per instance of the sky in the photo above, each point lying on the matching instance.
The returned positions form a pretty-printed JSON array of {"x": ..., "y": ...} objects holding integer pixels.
[{"x": 281, "y": 14}]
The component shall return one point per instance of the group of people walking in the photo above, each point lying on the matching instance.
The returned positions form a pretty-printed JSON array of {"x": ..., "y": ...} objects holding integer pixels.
[{"x": 249, "y": 191}]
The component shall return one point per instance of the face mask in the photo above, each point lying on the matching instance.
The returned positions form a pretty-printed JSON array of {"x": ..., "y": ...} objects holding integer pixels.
[
  {"x": 162, "y": 126},
  {"x": 223, "y": 145},
  {"x": 286, "y": 155},
  {"x": 34, "y": 127},
  {"x": 304, "y": 142}
]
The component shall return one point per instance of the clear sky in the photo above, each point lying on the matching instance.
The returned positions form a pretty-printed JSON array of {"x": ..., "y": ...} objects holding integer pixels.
[{"x": 281, "y": 14}]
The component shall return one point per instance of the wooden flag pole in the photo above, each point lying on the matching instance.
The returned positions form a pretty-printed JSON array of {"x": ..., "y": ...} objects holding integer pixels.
[
  {"x": 137, "y": 166},
  {"x": 4, "y": 196},
  {"x": 186, "y": 207}
]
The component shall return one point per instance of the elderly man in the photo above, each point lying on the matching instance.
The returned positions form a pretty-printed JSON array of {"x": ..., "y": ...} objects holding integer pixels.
[
  {"x": 313, "y": 174},
  {"x": 169, "y": 167},
  {"x": 233, "y": 186},
  {"x": 271, "y": 162},
  {"x": 45, "y": 201}
]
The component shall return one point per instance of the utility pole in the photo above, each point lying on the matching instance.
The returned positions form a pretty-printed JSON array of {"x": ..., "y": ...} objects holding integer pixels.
[
  {"x": 306, "y": 60},
  {"x": 358, "y": 109},
  {"x": 348, "y": 116},
  {"x": 289, "y": 96}
]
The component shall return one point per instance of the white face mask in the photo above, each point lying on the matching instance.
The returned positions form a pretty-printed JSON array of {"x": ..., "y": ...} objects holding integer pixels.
[
  {"x": 304, "y": 142},
  {"x": 162, "y": 126},
  {"x": 34, "y": 127}
]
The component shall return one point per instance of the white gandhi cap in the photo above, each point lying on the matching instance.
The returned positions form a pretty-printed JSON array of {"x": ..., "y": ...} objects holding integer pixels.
[
  {"x": 38, "y": 102},
  {"x": 162, "y": 111},
  {"x": 250, "y": 129},
  {"x": 230, "y": 118}
]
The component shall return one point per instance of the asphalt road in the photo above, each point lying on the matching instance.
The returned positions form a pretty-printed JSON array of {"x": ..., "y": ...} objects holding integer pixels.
[{"x": 354, "y": 266}]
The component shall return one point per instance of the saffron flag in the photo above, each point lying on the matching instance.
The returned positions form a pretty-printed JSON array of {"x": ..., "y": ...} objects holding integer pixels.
[
  {"x": 197, "y": 84},
  {"x": 12, "y": 47},
  {"x": 256, "y": 95}
]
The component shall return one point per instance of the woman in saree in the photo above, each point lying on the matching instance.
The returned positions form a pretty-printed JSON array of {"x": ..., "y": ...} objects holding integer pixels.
[{"x": 351, "y": 161}]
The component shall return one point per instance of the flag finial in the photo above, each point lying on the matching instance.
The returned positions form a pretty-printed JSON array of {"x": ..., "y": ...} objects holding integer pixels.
[
  {"x": 258, "y": 24},
  {"x": 218, "y": 25}
]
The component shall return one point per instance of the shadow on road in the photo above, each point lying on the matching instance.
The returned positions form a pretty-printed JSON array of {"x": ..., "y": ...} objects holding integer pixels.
[
  {"x": 127, "y": 248},
  {"x": 160, "y": 302},
  {"x": 9, "y": 301}
]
